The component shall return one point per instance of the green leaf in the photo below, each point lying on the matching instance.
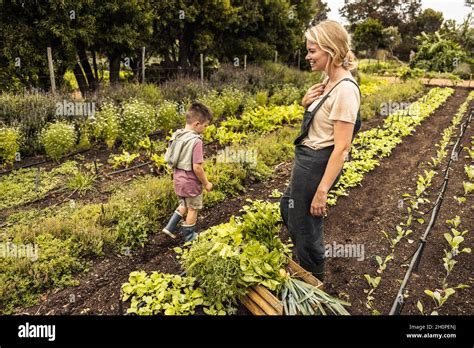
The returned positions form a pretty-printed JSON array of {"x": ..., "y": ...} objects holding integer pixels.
[
  {"x": 448, "y": 237},
  {"x": 420, "y": 307},
  {"x": 429, "y": 293},
  {"x": 448, "y": 292}
]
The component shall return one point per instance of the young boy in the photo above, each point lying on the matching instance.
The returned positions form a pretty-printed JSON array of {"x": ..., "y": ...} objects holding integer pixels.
[{"x": 185, "y": 156}]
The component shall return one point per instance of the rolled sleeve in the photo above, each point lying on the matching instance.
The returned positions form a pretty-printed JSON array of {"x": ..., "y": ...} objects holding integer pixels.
[{"x": 345, "y": 104}]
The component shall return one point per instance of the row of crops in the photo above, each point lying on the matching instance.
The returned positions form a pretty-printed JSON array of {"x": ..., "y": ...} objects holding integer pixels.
[{"x": 415, "y": 206}]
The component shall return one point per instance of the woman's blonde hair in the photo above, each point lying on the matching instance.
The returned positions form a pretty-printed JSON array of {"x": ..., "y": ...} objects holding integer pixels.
[{"x": 334, "y": 39}]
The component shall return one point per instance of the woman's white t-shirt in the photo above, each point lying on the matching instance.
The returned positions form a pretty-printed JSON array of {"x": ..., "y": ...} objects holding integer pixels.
[{"x": 342, "y": 105}]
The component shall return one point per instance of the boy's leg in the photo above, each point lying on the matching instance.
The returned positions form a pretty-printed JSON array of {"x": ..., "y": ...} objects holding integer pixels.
[
  {"x": 173, "y": 222},
  {"x": 194, "y": 204},
  {"x": 182, "y": 209},
  {"x": 191, "y": 218}
]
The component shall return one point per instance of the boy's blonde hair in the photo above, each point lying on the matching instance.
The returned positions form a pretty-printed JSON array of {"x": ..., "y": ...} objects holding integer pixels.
[{"x": 334, "y": 39}]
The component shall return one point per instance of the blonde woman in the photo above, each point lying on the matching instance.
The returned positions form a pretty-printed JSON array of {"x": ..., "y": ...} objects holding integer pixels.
[{"x": 330, "y": 121}]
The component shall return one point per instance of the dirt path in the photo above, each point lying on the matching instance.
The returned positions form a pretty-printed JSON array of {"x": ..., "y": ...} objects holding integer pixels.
[
  {"x": 356, "y": 219},
  {"x": 433, "y": 82}
]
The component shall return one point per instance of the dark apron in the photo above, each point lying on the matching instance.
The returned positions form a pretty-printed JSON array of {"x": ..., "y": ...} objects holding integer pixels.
[{"x": 306, "y": 231}]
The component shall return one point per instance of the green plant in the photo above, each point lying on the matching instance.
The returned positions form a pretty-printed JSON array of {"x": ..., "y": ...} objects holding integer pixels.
[
  {"x": 261, "y": 265},
  {"x": 29, "y": 184},
  {"x": 125, "y": 159},
  {"x": 405, "y": 73},
  {"x": 454, "y": 239},
  {"x": 137, "y": 120},
  {"x": 9, "y": 145},
  {"x": 469, "y": 170},
  {"x": 29, "y": 113},
  {"x": 161, "y": 293},
  {"x": 468, "y": 187},
  {"x": 82, "y": 182},
  {"x": 260, "y": 221},
  {"x": 261, "y": 97},
  {"x": 22, "y": 279},
  {"x": 133, "y": 229},
  {"x": 232, "y": 99},
  {"x": 284, "y": 95},
  {"x": 58, "y": 139},
  {"x": 160, "y": 163},
  {"x": 276, "y": 193},
  {"x": 106, "y": 124},
  {"x": 218, "y": 269},
  {"x": 168, "y": 117},
  {"x": 437, "y": 53}
]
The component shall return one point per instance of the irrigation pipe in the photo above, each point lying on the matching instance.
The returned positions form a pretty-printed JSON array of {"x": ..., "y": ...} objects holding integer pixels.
[{"x": 415, "y": 261}]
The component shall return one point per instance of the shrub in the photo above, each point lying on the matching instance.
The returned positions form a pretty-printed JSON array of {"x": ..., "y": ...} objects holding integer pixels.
[
  {"x": 232, "y": 99},
  {"x": 284, "y": 95},
  {"x": 437, "y": 53},
  {"x": 137, "y": 121},
  {"x": 29, "y": 113},
  {"x": 215, "y": 102},
  {"x": 261, "y": 97},
  {"x": 405, "y": 73},
  {"x": 58, "y": 139},
  {"x": 183, "y": 88},
  {"x": 106, "y": 124},
  {"x": 398, "y": 92},
  {"x": 149, "y": 93},
  {"x": 463, "y": 70},
  {"x": 9, "y": 145},
  {"x": 168, "y": 117}
]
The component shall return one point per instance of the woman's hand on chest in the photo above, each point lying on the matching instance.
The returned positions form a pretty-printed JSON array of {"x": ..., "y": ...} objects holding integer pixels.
[{"x": 313, "y": 93}]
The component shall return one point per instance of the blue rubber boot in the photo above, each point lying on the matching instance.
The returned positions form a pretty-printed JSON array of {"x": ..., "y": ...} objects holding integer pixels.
[
  {"x": 189, "y": 232},
  {"x": 173, "y": 224}
]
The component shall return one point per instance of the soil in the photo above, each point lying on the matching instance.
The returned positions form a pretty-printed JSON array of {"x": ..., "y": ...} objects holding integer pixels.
[{"x": 356, "y": 219}]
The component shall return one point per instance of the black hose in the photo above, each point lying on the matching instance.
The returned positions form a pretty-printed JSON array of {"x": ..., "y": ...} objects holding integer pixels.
[{"x": 415, "y": 261}]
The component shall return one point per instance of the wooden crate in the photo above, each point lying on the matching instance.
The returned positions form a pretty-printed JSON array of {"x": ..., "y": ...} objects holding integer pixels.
[{"x": 260, "y": 301}]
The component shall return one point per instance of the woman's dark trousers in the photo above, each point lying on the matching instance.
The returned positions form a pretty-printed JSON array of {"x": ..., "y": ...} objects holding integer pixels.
[{"x": 306, "y": 231}]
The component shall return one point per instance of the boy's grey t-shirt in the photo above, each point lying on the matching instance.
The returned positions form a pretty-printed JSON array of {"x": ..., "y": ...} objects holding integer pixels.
[{"x": 186, "y": 183}]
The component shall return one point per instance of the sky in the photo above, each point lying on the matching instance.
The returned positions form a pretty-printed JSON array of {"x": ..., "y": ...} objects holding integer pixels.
[{"x": 452, "y": 9}]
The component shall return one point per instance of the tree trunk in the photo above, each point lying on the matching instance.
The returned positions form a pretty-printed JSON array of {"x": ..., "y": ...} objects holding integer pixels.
[
  {"x": 81, "y": 80},
  {"x": 185, "y": 47},
  {"x": 91, "y": 79},
  {"x": 114, "y": 68}
]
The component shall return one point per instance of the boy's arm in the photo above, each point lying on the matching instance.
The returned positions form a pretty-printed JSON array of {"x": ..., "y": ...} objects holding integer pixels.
[
  {"x": 201, "y": 175},
  {"x": 198, "y": 169}
]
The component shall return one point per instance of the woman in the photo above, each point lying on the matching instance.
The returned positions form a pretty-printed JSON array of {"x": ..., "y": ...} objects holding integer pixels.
[{"x": 330, "y": 121}]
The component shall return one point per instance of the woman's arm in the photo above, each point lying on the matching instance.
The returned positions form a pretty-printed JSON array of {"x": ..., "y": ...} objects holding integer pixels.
[{"x": 342, "y": 144}]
